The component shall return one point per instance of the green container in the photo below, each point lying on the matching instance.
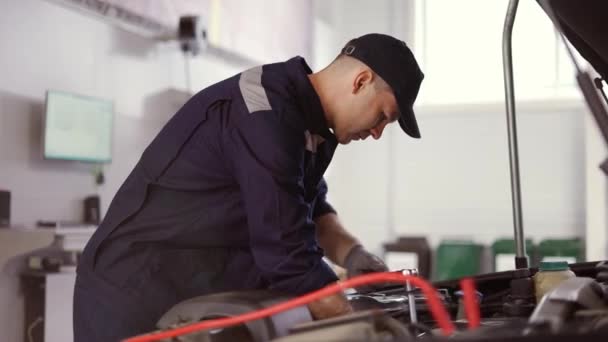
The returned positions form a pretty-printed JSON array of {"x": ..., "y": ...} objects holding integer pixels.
[
  {"x": 569, "y": 250},
  {"x": 504, "y": 254},
  {"x": 456, "y": 259}
]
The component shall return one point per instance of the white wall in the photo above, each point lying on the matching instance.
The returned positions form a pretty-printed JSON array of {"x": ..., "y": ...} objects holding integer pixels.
[
  {"x": 46, "y": 46},
  {"x": 335, "y": 22},
  {"x": 456, "y": 181},
  {"x": 597, "y": 192}
]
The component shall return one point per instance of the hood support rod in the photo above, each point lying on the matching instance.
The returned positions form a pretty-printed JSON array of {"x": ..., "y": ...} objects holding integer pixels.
[{"x": 520, "y": 255}]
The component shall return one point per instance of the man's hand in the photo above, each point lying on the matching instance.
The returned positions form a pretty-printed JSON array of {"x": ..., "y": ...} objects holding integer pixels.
[
  {"x": 359, "y": 261},
  {"x": 334, "y": 305}
]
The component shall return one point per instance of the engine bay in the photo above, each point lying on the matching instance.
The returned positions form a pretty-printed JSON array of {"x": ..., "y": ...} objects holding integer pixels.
[{"x": 576, "y": 308}]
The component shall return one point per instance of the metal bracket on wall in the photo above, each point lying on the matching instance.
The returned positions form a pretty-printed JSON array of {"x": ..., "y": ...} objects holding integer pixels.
[{"x": 146, "y": 27}]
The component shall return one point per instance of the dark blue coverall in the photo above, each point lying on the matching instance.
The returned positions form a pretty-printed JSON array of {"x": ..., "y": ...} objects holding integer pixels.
[{"x": 223, "y": 199}]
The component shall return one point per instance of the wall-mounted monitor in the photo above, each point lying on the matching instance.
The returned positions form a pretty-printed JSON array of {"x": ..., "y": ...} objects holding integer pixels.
[{"x": 77, "y": 127}]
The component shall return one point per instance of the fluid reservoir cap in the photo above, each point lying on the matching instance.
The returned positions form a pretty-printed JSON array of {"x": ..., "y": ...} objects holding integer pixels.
[{"x": 553, "y": 266}]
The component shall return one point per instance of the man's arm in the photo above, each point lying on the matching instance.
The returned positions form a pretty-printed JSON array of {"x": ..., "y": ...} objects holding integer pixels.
[
  {"x": 345, "y": 250},
  {"x": 340, "y": 246},
  {"x": 333, "y": 238},
  {"x": 266, "y": 162},
  {"x": 266, "y": 159}
]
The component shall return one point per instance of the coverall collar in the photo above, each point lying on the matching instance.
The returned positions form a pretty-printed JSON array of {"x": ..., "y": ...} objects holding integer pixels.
[{"x": 308, "y": 100}]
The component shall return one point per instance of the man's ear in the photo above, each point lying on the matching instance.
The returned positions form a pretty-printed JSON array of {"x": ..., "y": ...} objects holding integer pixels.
[{"x": 364, "y": 78}]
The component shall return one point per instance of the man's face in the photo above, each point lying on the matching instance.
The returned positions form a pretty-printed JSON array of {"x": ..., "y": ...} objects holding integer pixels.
[{"x": 366, "y": 112}]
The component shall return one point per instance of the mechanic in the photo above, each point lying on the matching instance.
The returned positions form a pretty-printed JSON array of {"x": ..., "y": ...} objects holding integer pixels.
[{"x": 230, "y": 195}]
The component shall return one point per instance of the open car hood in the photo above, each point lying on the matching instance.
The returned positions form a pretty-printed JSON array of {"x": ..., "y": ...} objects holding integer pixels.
[{"x": 584, "y": 25}]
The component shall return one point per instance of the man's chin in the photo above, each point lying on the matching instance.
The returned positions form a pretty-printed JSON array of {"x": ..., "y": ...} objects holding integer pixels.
[{"x": 344, "y": 141}]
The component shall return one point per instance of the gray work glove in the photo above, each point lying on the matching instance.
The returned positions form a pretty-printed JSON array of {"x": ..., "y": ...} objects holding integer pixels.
[{"x": 359, "y": 261}]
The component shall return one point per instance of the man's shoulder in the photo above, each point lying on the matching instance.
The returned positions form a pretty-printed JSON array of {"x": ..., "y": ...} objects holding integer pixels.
[{"x": 268, "y": 94}]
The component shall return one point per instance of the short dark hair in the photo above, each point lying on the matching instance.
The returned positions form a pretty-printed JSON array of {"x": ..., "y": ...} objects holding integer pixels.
[{"x": 379, "y": 83}]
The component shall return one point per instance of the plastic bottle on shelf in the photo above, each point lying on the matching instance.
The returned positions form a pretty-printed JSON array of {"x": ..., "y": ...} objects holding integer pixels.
[{"x": 549, "y": 275}]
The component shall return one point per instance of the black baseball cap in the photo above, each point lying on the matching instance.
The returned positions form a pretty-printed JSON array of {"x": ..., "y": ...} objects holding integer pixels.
[{"x": 395, "y": 63}]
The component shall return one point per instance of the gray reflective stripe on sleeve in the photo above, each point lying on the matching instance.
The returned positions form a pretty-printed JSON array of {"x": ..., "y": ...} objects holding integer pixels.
[{"x": 253, "y": 92}]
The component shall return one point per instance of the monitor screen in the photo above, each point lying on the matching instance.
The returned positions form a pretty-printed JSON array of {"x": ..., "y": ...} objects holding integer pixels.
[{"x": 77, "y": 127}]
